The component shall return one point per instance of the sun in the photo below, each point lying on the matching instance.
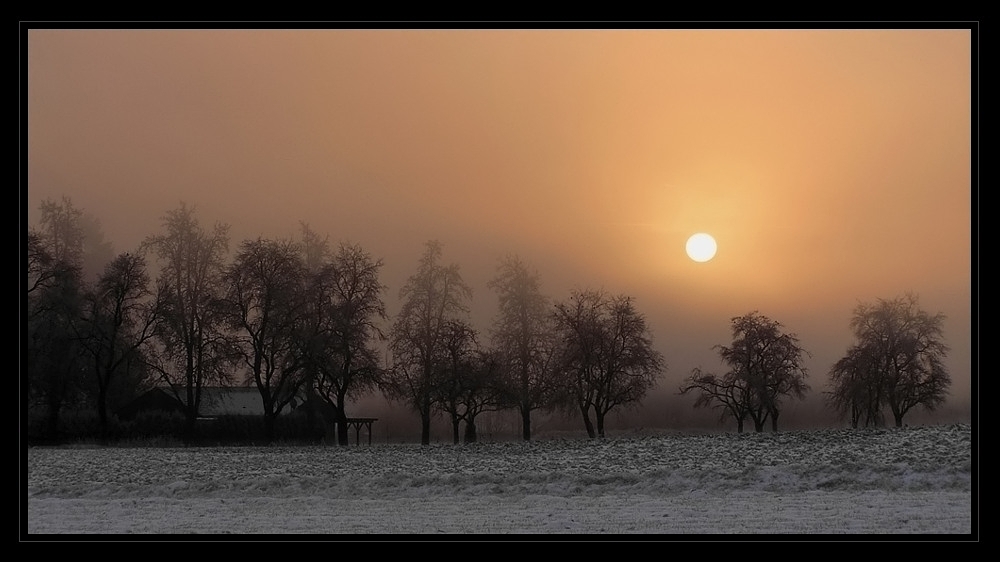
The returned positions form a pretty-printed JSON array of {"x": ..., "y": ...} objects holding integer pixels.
[{"x": 701, "y": 247}]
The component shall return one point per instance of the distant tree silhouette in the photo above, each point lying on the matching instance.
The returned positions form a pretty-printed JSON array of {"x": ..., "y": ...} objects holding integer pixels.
[
  {"x": 765, "y": 366},
  {"x": 470, "y": 380},
  {"x": 315, "y": 253},
  {"x": 482, "y": 390},
  {"x": 41, "y": 271},
  {"x": 457, "y": 370},
  {"x": 62, "y": 231},
  {"x": 119, "y": 316},
  {"x": 96, "y": 252},
  {"x": 523, "y": 337},
  {"x": 606, "y": 355},
  {"x": 345, "y": 310},
  {"x": 194, "y": 349},
  {"x": 895, "y": 363},
  {"x": 264, "y": 302},
  {"x": 730, "y": 393},
  {"x": 857, "y": 388},
  {"x": 56, "y": 365},
  {"x": 432, "y": 297}
]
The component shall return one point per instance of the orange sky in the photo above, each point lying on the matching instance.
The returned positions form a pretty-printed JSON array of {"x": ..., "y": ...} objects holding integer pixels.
[{"x": 832, "y": 166}]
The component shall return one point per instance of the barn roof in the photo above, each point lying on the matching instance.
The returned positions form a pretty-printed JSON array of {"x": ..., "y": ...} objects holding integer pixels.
[
  {"x": 231, "y": 401},
  {"x": 215, "y": 401}
]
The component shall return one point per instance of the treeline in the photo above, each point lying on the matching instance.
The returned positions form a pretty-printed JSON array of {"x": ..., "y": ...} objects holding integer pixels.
[
  {"x": 895, "y": 365},
  {"x": 300, "y": 319}
]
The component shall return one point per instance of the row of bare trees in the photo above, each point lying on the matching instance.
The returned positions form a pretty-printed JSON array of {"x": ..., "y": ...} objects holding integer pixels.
[
  {"x": 895, "y": 364},
  {"x": 296, "y": 318},
  {"x": 585, "y": 356},
  {"x": 285, "y": 317}
]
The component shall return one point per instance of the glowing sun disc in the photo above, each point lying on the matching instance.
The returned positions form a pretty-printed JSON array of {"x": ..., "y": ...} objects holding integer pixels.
[{"x": 701, "y": 247}]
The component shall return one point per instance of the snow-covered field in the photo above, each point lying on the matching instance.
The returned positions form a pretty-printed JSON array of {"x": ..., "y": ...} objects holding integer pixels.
[{"x": 917, "y": 480}]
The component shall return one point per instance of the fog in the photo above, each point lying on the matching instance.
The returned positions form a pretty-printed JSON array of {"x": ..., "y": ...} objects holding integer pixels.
[{"x": 833, "y": 167}]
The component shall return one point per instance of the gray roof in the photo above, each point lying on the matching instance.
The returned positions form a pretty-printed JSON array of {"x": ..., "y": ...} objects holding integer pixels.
[
  {"x": 215, "y": 401},
  {"x": 236, "y": 401}
]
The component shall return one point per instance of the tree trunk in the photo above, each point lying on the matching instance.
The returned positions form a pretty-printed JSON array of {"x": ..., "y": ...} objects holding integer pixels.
[
  {"x": 739, "y": 425},
  {"x": 455, "y": 422},
  {"x": 600, "y": 424},
  {"x": 328, "y": 434},
  {"x": 585, "y": 413},
  {"x": 774, "y": 422},
  {"x": 190, "y": 422},
  {"x": 425, "y": 428},
  {"x": 191, "y": 411},
  {"x": 269, "y": 423},
  {"x": 343, "y": 431},
  {"x": 470, "y": 431},
  {"x": 525, "y": 423},
  {"x": 311, "y": 400},
  {"x": 102, "y": 396},
  {"x": 102, "y": 413}
]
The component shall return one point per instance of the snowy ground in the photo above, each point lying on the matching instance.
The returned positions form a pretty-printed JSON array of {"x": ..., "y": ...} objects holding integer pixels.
[{"x": 911, "y": 481}]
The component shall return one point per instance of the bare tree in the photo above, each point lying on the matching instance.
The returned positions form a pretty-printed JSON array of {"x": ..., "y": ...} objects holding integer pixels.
[
  {"x": 470, "y": 382},
  {"x": 312, "y": 333},
  {"x": 55, "y": 289},
  {"x": 41, "y": 273},
  {"x": 347, "y": 309},
  {"x": 483, "y": 390},
  {"x": 264, "y": 303},
  {"x": 431, "y": 297},
  {"x": 771, "y": 361},
  {"x": 522, "y": 335},
  {"x": 118, "y": 322},
  {"x": 731, "y": 394},
  {"x": 606, "y": 355},
  {"x": 765, "y": 366},
  {"x": 459, "y": 347},
  {"x": 896, "y": 362},
  {"x": 857, "y": 388},
  {"x": 62, "y": 225},
  {"x": 194, "y": 349},
  {"x": 96, "y": 252}
]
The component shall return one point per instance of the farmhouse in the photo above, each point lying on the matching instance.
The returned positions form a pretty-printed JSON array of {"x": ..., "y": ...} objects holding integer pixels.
[
  {"x": 218, "y": 401},
  {"x": 215, "y": 401}
]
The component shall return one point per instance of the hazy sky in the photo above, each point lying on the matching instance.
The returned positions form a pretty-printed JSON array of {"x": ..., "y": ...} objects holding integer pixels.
[{"x": 832, "y": 166}]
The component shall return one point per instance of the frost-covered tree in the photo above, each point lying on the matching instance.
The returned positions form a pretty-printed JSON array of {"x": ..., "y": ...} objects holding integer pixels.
[
  {"x": 194, "y": 348},
  {"x": 765, "y": 367},
  {"x": 264, "y": 304},
  {"x": 522, "y": 336},
  {"x": 432, "y": 297},
  {"x": 605, "y": 355},
  {"x": 729, "y": 393},
  {"x": 896, "y": 362},
  {"x": 346, "y": 311},
  {"x": 119, "y": 316},
  {"x": 56, "y": 361}
]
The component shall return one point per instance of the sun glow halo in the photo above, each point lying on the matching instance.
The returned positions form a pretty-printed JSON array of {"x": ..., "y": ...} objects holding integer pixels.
[{"x": 701, "y": 247}]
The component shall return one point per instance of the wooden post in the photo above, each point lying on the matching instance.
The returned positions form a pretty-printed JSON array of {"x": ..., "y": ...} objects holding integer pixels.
[{"x": 356, "y": 423}]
